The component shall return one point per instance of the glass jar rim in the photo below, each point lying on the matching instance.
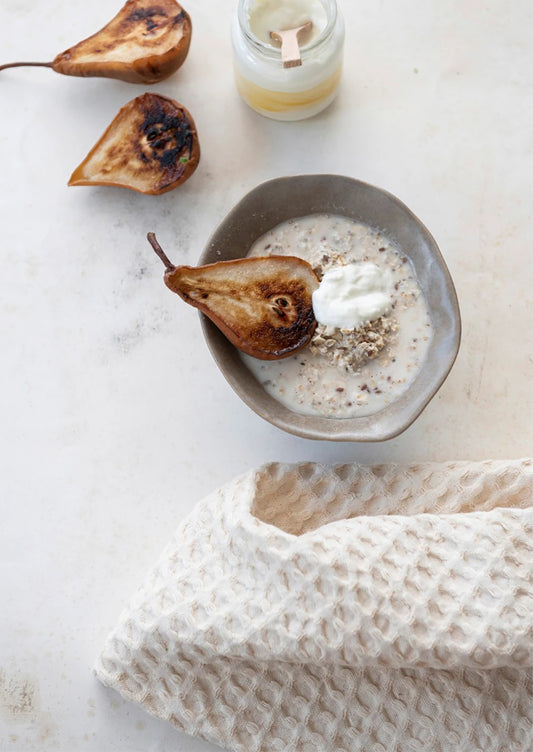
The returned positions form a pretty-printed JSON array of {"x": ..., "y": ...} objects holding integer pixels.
[{"x": 270, "y": 50}]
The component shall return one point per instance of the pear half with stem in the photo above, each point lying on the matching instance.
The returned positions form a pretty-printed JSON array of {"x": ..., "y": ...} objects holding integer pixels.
[
  {"x": 263, "y": 305},
  {"x": 144, "y": 43},
  {"x": 151, "y": 146}
]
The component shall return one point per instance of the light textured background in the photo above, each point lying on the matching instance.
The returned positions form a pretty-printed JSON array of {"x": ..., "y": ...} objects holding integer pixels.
[{"x": 115, "y": 419}]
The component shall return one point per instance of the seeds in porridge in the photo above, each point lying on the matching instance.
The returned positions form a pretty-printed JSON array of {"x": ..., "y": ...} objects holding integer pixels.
[{"x": 351, "y": 348}]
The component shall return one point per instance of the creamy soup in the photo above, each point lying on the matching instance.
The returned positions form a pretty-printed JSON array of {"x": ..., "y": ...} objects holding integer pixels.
[{"x": 345, "y": 373}]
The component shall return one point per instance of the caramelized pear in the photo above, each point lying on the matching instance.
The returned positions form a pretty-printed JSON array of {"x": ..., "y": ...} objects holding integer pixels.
[
  {"x": 262, "y": 305},
  {"x": 151, "y": 146},
  {"x": 144, "y": 43}
]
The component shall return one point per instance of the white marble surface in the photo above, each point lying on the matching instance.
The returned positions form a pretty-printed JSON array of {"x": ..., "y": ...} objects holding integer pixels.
[{"x": 115, "y": 419}]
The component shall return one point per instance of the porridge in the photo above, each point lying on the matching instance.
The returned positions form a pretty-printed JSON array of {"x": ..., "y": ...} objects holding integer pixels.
[{"x": 348, "y": 371}]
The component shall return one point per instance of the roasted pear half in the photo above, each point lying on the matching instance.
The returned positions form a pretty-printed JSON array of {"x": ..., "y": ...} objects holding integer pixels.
[
  {"x": 144, "y": 43},
  {"x": 262, "y": 305},
  {"x": 151, "y": 146}
]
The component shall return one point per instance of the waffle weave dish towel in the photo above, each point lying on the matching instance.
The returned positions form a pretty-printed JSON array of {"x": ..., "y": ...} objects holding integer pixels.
[{"x": 305, "y": 608}]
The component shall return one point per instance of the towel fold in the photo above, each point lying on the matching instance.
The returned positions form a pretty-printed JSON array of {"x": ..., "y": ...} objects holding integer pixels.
[{"x": 334, "y": 609}]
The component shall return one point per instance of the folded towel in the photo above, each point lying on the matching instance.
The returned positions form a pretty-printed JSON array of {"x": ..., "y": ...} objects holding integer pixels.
[{"x": 334, "y": 609}]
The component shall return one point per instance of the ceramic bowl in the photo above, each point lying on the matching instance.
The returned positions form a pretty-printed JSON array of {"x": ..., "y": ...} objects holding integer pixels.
[{"x": 284, "y": 198}]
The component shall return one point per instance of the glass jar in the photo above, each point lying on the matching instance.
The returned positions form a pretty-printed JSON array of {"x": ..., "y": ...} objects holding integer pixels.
[{"x": 287, "y": 93}]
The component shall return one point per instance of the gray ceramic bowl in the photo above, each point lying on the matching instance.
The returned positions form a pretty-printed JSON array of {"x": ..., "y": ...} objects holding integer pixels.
[{"x": 284, "y": 198}]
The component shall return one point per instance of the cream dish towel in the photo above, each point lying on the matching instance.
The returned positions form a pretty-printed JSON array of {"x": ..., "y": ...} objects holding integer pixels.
[{"x": 305, "y": 608}]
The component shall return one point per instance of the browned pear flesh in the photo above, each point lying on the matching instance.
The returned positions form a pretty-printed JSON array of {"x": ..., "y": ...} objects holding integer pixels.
[
  {"x": 262, "y": 305},
  {"x": 144, "y": 43},
  {"x": 151, "y": 147}
]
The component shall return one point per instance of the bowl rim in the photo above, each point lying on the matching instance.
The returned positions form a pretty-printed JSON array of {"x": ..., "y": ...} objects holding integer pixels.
[{"x": 396, "y": 417}]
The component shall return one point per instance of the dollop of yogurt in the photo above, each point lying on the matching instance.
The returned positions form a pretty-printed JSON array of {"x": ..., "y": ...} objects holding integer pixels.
[
  {"x": 274, "y": 15},
  {"x": 352, "y": 295}
]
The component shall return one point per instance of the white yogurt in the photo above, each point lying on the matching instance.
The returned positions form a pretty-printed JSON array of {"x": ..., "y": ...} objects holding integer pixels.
[
  {"x": 352, "y": 295},
  {"x": 275, "y": 15},
  {"x": 308, "y": 382}
]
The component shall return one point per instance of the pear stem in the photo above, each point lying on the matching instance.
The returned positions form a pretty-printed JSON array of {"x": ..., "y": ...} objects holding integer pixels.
[
  {"x": 20, "y": 65},
  {"x": 160, "y": 252}
]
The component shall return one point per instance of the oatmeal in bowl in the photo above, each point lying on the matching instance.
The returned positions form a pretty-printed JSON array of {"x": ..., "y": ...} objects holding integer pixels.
[{"x": 388, "y": 324}]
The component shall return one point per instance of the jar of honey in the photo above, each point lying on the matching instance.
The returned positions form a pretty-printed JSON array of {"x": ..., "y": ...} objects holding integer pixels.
[{"x": 263, "y": 81}]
